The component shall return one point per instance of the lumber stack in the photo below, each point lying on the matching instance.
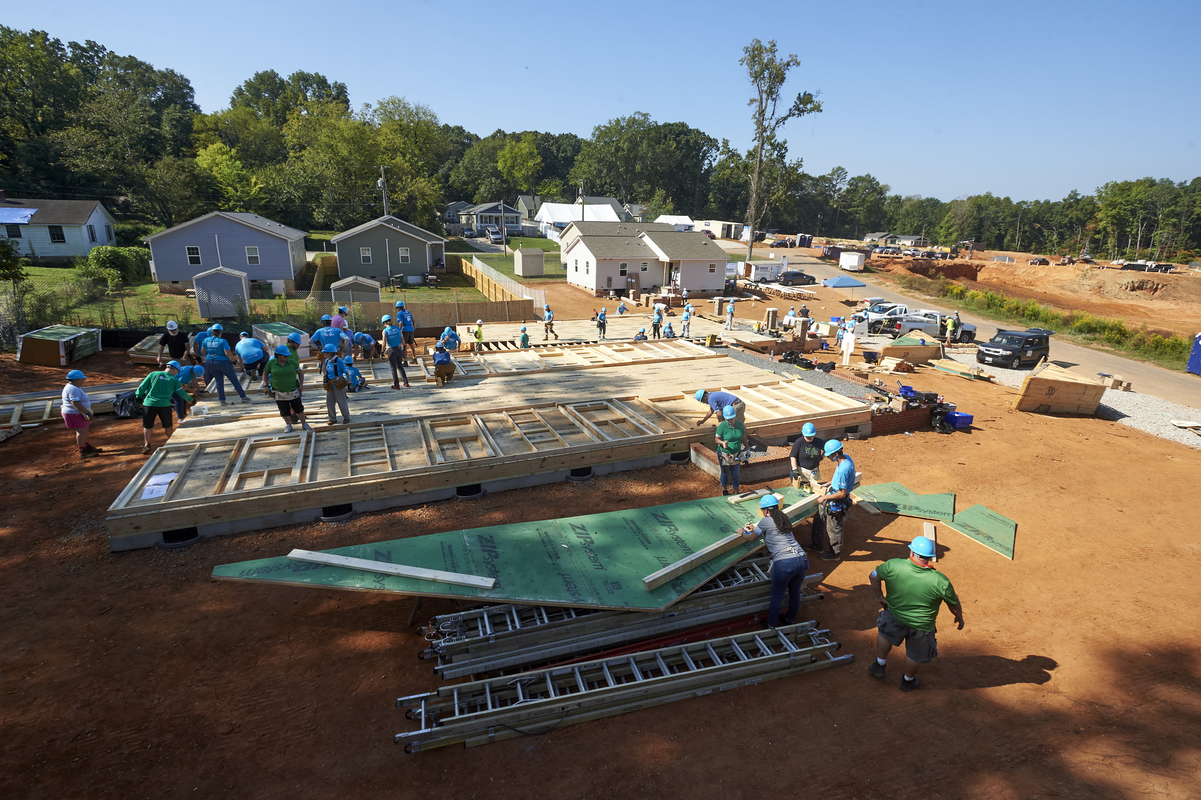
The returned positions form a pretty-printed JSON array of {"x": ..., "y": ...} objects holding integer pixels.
[
  {"x": 962, "y": 370},
  {"x": 1051, "y": 389},
  {"x": 915, "y": 350}
]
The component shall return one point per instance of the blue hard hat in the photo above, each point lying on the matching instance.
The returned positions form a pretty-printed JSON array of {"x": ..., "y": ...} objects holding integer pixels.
[
  {"x": 326, "y": 318},
  {"x": 76, "y": 375},
  {"x": 329, "y": 348},
  {"x": 700, "y": 395},
  {"x": 400, "y": 303},
  {"x": 217, "y": 327},
  {"x": 523, "y": 329},
  {"x": 348, "y": 361},
  {"x": 729, "y": 412},
  {"x": 922, "y": 546},
  {"x": 342, "y": 309},
  {"x": 283, "y": 350},
  {"x": 174, "y": 364},
  {"x": 447, "y": 329},
  {"x": 642, "y": 330},
  {"x": 808, "y": 429},
  {"x": 832, "y": 446},
  {"x": 385, "y": 318},
  {"x": 243, "y": 333},
  {"x": 769, "y": 501},
  {"x": 294, "y": 338},
  {"x": 546, "y": 305}
]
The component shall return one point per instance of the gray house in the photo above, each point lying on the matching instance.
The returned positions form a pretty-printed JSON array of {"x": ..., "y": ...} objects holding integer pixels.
[
  {"x": 451, "y": 215},
  {"x": 221, "y": 293},
  {"x": 489, "y": 214},
  {"x": 266, "y": 251},
  {"x": 528, "y": 206},
  {"x": 55, "y": 230},
  {"x": 388, "y": 248}
]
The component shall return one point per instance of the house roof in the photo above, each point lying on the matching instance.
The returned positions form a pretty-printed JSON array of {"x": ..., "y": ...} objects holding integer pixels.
[
  {"x": 685, "y": 246},
  {"x": 675, "y": 219},
  {"x": 529, "y": 201},
  {"x": 570, "y": 212},
  {"x": 223, "y": 271},
  {"x": 484, "y": 208},
  {"x": 355, "y": 279},
  {"x": 457, "y": 205},
  {"x": 55, "y": 212},
  {"x": 876, "y": 235},
  {"x": 590, "y": 228},
  {"x": 602, "y": 201},
  {"x": 631, "y": 247},
  {"x": 635, "y": 208},
  {"x": 242, "y": 218},
  {"x": 395, "y": 224}
]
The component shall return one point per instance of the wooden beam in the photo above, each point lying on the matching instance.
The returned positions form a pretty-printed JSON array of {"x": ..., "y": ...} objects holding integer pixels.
[
  {"x": 385, "y": 568},
  {"x": 689, "y": 563},
  {"x": 931, "y": 533}
]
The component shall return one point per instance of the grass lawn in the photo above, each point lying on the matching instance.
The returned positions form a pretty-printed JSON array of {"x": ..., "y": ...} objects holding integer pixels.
[
  {"x": 504, "y": 265},
  {"x": 461, "y": 246},
  {"x": 539, "y": 243}
]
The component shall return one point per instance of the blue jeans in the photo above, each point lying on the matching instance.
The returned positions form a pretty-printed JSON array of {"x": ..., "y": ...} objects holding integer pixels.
[
  {"x": 220, "y": 370},
  {"x": 788, "y": 573},
  {"x": 731, "y": 471}
]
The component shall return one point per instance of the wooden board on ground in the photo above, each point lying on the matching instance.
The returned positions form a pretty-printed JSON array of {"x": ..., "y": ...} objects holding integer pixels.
[
  {"x": 1051, "y": 389},
  {"x": 383, "y": 568},
  {"x": 251, "y": 476},
  {"x": 993, "y": 530},
  {"x": 590, "y": 561},
  {"x": 894, "y": 498},
  {"x": 145, "y": 351},
  {"x": 962, "y": 370},
  {"x": 569, "y": 356}
]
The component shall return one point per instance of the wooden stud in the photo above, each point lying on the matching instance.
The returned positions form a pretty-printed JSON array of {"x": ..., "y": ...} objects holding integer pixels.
[
  {"x": 931, "y": 533},
  {"x": 673, "y": 571},
  {"x": 385, "y": 568}
]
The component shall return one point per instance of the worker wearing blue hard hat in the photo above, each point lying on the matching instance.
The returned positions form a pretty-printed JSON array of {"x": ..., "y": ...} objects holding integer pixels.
[
  {"x": 833, "y": 503},
  {"x": 335, "y": 381},
  {"x": 718, "y": 401},
  {"x": 357, "y": 381},
  {"x": 392, "y": 342},
  {"x": 220, "y": 364},
  {"x": 916, "y": 592},
  {"x": 602, "y": 322},
  {"x": 641, "y": 335},
  {"x": 730, "y": 439},
  {"x": 192, "y": 379},
  {"x": 326, "y": 334},
  {"x": 548, "y": 323},
  {"x": 77, "y": 413},
  {"x": 788, "y": 561},
  {"x": 523, "y": 339},
  {"x": 157, "y": 393},
  {"x": 806, "y": 459},
  {"x": 285, "y": 383},
  {"x": 408, "y": 327},
  {"x": 444, "y": 368}
]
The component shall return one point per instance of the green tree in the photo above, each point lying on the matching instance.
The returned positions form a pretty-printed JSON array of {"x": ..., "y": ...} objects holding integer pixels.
[
  {"x": 477, "y": 175},
  {"x": 239, "y": 189},
  {"x": 767, "y": 74},
  {"x": 519, "y": 163},
  {"x": 255, "y": 141},
  {"x": 411, "y": 131},
  {"x": 273, "y": 98}
]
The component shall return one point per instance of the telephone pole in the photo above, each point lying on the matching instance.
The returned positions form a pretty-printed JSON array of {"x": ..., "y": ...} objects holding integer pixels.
[{"x": 383, "y": 187}]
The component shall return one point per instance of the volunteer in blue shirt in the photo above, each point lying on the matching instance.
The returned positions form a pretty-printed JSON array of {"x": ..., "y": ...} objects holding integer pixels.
[
  {"x": 602, "y": 320},
  {"x": 450, "y": 338},
  {"x": 407, "y": 328},
  {"x": 548, "y": 323},
  {"x": 219, "y": 363},
  {"x": 833, "y": 505},
  {"x": 192, "y": 381},
  {"x": 77, "y": 413},
  {"x": 394, "y": 344},
  {"x": 717, "y": 401},
  {"x": 641, "y": 335},
  {"x": 657, "y": 323},
  {"x": 730, "y": 315},
  {"x": 253, "y": 354},
  {"x": 668, "y": 333},
  {"x": 523, "y": 341},
  {"x": 365, "y": 344},
  {"x": 326, "y": 334},
  {"x": 686, "y": 324},
  {"x": 336, "y": 380},
  {"x": 621, "y": 308},
  {"x": 357, "y": 382},
  {"x": 444, "y": 368}
]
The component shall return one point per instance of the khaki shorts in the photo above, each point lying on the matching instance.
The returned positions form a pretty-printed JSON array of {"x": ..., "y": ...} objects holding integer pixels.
[{"x": 920, "y": 646}]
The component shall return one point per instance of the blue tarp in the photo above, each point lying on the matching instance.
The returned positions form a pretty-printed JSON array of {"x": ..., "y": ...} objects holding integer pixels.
[
  {"x": 1194, "y": 359},
  {"x": 844, "y": 282},
  {"x": 16, "y": 216}
]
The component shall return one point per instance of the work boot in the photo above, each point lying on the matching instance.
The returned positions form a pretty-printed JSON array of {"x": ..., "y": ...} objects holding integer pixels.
[
  {"x": 84, "y": 454},
  {"x": 828, "y": 555},
  {"x": 910, "y": 685},
  {"x": 438, "y": 380},
  {"x": 146, "y": 450},
  {"x": 245, "y": 399},
  {"x": 876, "y": 670},
  {"x": 307, "y": 427},
  {"x": 92, "y": 450}
]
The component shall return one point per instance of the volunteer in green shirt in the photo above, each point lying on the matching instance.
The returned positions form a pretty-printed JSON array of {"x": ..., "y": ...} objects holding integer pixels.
[
  {"x": 156, "y": 393},
  {"x": 730, "y": 439},
  {"x": 523, "y": 341},
  {"x": 915, "y": 592},
  {"x": 286, "y": 383}
]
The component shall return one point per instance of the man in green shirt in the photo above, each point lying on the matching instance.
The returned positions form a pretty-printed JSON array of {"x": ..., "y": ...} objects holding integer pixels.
[
  {"x": 523, "y": 341},
  {"x": 730, "y": 439},
  {"x": 156, "y": 393},
  {"x": 915, "y": 592}
]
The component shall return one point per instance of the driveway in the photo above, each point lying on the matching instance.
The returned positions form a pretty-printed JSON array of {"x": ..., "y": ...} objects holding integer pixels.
[{"x": 1178, "y": 387}]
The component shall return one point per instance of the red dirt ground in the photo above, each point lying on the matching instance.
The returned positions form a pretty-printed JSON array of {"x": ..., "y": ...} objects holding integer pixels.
[{"x": 134, "y": 674}]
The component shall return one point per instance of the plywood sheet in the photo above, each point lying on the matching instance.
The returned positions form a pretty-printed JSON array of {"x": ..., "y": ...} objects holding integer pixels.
[
  {"x": 894, "y": 498},
  {"x": 993, "y": 530},
  {"x": 589, "y": 561}
]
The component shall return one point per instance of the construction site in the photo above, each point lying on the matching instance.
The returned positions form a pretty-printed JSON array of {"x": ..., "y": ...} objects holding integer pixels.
[{"x": 528, "y": 582}]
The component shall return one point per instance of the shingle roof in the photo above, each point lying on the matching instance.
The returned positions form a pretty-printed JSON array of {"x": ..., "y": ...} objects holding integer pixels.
[
  {"x": 395, "y": 224},
  {"x": 590, "y": 228},
  {"x": 630, "y": 247},
  {"x": 687, "y": 246},
  {"x": 55, "y": 212},
  {"x": 252, "y": 220}
]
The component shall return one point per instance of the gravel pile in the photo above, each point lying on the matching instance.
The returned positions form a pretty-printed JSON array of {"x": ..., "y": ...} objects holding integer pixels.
[{"x": 1142, "y": 411}]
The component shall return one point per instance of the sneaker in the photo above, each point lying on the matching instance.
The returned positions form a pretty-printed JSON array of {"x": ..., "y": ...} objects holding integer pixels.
[
  {"x": 828, "y": 555},
  {"x": 331, "y": 422},
  {"x": 287, "y": 429},
  {"x": 307, "y": 427},
  {"x": 346, "y": 421},
  {"x": 406, "y": 384},
  {"x": 438, "y": 380},
  {"x": 909, "y": 686},
  {"x": 84, "y": 454},
  {"x": 245, "y": 399},
  {"x": 146, "y": 450},
  {"x": 92, "y": 450},
  {"x": 396, "y": 388},
  {"x": 876, "y": 670}
]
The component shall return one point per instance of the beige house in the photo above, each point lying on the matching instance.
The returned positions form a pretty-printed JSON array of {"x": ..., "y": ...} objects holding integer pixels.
[{"x": 617, "y": 257}]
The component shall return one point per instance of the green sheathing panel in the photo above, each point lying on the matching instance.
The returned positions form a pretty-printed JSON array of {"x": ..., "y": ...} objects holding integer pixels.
[
  {"x": 894, "y": 498},
  {"x": 278, "y": 328},
  {"x": 591, "y": 561},
  {"x": 988, "y": 528}
]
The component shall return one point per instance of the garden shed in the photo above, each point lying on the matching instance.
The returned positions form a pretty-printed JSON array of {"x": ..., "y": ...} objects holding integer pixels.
[
  {"x": 222, "y": 293},
  {"x": 529, "y": 262},
  {"x": 355, "y": 289}
]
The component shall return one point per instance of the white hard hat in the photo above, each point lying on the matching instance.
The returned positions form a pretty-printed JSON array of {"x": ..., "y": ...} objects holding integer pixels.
[
  {"x": 172, "y": 325},
  {"x": 479, "y": 322}
]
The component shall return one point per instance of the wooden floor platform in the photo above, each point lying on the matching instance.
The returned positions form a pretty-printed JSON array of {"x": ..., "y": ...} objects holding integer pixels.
[{"x": 403, "y": 445}]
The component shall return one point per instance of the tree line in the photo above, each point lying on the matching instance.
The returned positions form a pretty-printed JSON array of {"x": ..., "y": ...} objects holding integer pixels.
[{"x": 77, "y": 120}]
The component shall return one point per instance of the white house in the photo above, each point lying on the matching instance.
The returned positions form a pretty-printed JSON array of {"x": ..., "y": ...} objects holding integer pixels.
[
  {"x": 53, "y": 230},
  {"x": 552, "y": 218},
  {"x": 680, "y": 223},
  {"x": 603, "y": 258},
  {"x": 906, "y": 241},
  {"x": 719, "y": 228}
]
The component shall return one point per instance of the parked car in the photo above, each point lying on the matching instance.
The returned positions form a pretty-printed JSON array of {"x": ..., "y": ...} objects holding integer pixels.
[
  {"x": 796, "y": 276},
  {"x": 912, "y": 252},
  {"x": 1014, "y": 348},
  {"x": 469, "y": 233},
  {"x": 780, "y": 243},
  {"x": 1039, "y": 262},
  {"x": 495, "y": 236},
  {"x": 929, "y": 323},
  {"x": 708, "y": 233}
]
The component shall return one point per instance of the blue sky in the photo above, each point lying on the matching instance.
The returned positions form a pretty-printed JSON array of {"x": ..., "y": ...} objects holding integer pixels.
[{"x": 1025, "y": 99}]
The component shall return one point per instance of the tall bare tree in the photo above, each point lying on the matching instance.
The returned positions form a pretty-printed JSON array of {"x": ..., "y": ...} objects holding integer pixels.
[{"x": 767, "y": 73}]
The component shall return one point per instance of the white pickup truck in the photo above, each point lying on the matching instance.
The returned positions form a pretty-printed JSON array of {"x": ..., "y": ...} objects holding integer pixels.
[
  {"x": 876, "y": 315},
  {"x": 930, "y": 323}
]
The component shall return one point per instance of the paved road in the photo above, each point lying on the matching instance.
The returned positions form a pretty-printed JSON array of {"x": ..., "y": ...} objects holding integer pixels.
[{"x": 1178, "y": 387}]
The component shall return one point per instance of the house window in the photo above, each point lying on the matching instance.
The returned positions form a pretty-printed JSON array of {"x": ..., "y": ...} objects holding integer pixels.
[
  {"x": 56, "y": 234},
  {"x": 622, "y": 269},
  {"x": 712, "y": 269},
  {"x": 404, "y": 255},
  {"x": 13, "y": 231},
  {"x": 252, "y": 256},
  {"x": 91, "y": 233},
  {"x": 585, "y": 267},
  {"x": 577, "y": 265},
  {"x": 193, "y": 256},
  {"x": 364, "y": 255},
  {"x": 645, "y": 267},
  {"x": 108, "y": 232}
]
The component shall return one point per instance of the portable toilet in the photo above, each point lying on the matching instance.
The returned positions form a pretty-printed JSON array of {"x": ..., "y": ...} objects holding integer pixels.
[{"x": 1194, "y": 359}]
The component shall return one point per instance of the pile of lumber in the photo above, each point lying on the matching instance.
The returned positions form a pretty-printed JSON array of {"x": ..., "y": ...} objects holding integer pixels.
[
  {"x": 913, "y": 349},
  {"x": 886, "y": 366},
  {"x": 1051, "y": 389},
  {"x": 1114, "y": 382},
  {"x": 962, "y": 370}
]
